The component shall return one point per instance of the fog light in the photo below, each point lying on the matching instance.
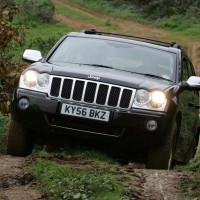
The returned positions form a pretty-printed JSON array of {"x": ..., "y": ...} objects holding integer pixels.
[
  {"x": 151, "y": 125},
  {"x": 23, "y": 103}
]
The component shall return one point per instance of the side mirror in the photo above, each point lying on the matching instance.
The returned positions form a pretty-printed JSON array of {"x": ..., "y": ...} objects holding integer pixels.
[
  {"x": 194, "y": 82},
  {"x": 32, "y": 55}
]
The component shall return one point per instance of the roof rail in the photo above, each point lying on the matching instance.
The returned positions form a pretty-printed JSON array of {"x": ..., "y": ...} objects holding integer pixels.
[
  {"x": 175, "y": 45},
  {"x": 158, "y": 42}
]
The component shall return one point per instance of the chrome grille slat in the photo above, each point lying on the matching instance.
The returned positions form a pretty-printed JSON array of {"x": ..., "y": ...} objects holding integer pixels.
[
  {"x": 72, "y": 91},
  {"x": 99, "y": 94},
  {"x": 61, "y": 86},
  {"x": 84, "y": 90},
  {"x": 120, "y": 96},
  {"x": 107, "y": 98},
  {"x": 95, "y": 96}
]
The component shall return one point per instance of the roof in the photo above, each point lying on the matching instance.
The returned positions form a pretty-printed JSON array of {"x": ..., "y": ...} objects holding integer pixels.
[{"x": 172, "y": 47}]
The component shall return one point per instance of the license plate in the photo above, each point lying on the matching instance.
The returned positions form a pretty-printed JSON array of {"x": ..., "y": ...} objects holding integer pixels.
[{"x": 85, "y": 112}]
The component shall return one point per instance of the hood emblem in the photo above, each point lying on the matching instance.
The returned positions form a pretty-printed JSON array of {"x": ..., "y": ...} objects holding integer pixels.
[{"x": 94, "y": 77}]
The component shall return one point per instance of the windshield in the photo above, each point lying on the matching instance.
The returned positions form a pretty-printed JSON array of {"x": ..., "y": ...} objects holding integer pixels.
[{"x": 117, "y": 55}]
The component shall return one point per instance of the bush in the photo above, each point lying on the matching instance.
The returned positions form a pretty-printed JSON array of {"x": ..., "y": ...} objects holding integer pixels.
[
  {"x": 44, "y": 45},
  {"x": 9, "y": 36},
  {"x": 166, "y": 8},
  {"x": 32, "y": 10}
]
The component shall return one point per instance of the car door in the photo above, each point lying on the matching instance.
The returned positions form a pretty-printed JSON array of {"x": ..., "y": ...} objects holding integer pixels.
[{"x": 188, "y": 100}]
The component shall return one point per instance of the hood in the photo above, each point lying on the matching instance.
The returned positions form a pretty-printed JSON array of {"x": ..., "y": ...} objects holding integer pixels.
[{"x": 106, "y": 75}]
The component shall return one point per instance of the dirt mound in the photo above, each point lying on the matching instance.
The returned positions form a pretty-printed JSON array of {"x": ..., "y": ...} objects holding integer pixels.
[{"x": 16, "y": 183}]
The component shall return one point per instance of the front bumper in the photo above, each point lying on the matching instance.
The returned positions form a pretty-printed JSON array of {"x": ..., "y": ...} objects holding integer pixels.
[{"x": 124, "y": 127}]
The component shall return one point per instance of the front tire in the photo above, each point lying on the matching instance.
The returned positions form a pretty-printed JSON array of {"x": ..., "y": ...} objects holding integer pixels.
[
  {"x": 162, "y": 157},
  {"x": 19, "y": 139}
]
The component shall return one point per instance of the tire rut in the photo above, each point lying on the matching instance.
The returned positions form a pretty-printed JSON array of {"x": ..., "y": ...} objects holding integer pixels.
[{"x": 143, "y": 184}]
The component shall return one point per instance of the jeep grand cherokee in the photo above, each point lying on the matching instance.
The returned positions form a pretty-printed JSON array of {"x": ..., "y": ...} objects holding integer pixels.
[{"x": 122, "y": 90}]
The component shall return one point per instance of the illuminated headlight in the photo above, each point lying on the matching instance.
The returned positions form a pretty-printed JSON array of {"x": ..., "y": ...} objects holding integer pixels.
[
  {"x": 155, "y": 100},
  {"x": 34, "y": 81},
  {"x": 30, "y": 78}
]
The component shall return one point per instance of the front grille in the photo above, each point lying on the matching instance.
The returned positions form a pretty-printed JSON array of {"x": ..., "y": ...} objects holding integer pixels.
[{"x": 92, "y": 92}]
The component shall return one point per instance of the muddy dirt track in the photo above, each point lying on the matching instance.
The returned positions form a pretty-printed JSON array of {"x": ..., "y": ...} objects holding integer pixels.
[{"x": 16, "y": 183}]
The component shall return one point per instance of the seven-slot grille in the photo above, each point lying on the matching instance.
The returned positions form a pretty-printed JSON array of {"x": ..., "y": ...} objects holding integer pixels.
[{"x": 91, "y": 92}]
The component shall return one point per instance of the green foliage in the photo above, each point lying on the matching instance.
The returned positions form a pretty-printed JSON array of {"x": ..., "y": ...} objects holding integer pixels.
[
  {"x": 33, "y": 10},
  {"x": 166, "y": 8},
  {"x": 78, "y": 152},
  {"x": 115, "y": 8},
  {"x": 191, "y": 188},
  {"x": 194, "y": 164},
  {"x": 42, "y": 37},
  {"x": 188, "y": 25},
  {"x": 42, "y": 44},
  {"x": 62, "y": 182},
  {"x": 71, "y": 13},
  {"x": 177, "y": 16},
  {"x": 10, "y": 36},
  {"x": 3, "y": 133}
]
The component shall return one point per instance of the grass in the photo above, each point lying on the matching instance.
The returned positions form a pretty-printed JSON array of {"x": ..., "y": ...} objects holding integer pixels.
[
  {"x": 180, "y": 24},
  {"x": 63, "y": 182},
  {"x": 186, "y": 25},
  {"x": 191, "y": 188},
  {"x": 44, "y": 36},
  {"x": 3, "y": 133},
  {"x": 41, "y": 36},
  {"x": 69, "y": 12},
  {"x": 80, "y": 153},
  {"x": 123, "y": 10}
]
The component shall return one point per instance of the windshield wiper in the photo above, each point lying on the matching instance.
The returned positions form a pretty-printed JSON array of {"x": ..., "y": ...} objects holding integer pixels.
[
  {"x": 156, "y": 76},
  {"x": 97, "y": 65}
]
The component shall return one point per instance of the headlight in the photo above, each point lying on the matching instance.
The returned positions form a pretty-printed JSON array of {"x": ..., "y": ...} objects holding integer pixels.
[
  {"x": 142, "y": 97},
  {"x": 157, "y": 99},
  {"x": 30, "y": 78},
  {"x": 154, "y": 100},
  {"x": 34, "y": 81},
  {"x": 43, "y": 80}
]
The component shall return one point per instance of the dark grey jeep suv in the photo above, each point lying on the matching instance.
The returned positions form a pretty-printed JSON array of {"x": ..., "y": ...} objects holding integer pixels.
[{"x": 129, "y": 92}]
